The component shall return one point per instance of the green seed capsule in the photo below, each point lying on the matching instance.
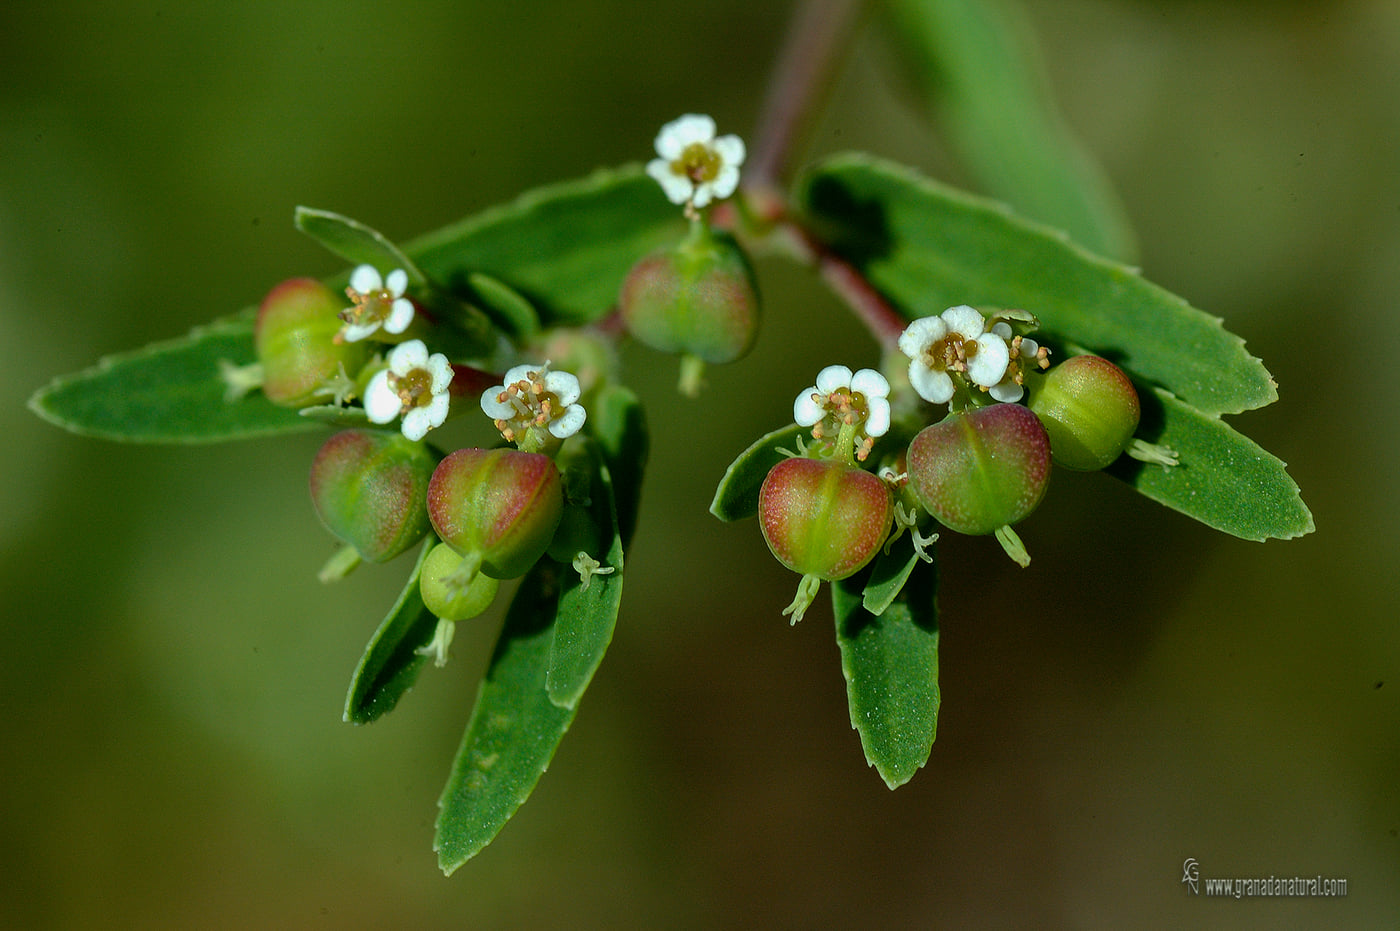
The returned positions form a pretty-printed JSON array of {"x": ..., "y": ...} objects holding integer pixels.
[
  {"x": 979, "y": 471},
  {"x": 441, "y": 593},
  {"x": 295, "y": 340},
  {"x": 370, "y": 489},
  {"x": 498, "y": 508},
  {"x": 1090, "y": 409}
]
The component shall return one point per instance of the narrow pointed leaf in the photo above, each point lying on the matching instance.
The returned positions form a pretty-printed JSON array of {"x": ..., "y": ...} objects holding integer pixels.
[
  {"x": 565, "y": 248},
  {"x": 507, "y": 309},
  {"x": 977, "y": 67},
  {"x": 583, "y": 628},
  {"x": 617, "y": 421},
  {"x": 888, "y": 574},
  {"x": 736, "y": 498},
  {"x": 391, "y": 662},
  {"x": 1224, "y": 479},
  {"x": 890, "y": 663},
  {"x": 168, "y": 392},
  {"x": 514, "y": 727},
  {"x": 355, "y": 242},
  {"x": 927, "y": 247}
]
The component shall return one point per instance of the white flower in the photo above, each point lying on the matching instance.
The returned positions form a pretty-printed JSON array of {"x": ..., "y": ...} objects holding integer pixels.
[
  {"x": 956, "y": 341},
  {"x": 532, "y": 397},
  {"x": 415, "y": 385},
  {"x": 695, "y": 167},
  {"x": 842, "y": 399},
  {"x": 378, "y": 302},
  {"x": 1025, "y": 353}
]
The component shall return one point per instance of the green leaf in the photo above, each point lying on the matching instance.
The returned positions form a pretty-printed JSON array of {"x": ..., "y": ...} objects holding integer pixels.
[
  {"x": 355, "y": 243},
  {"x": 888, "y": 574},
  {"x": 168, "y": 392},
  {"x": 514, "y": 728},
  {"x": 1223, "y": 479},
  {"x": 507, "y": 309},
  {"x": 617, "y": 421},
  {"x": 565, "y": 248},
  {"x": 976, "y": 64},
  {"x": 891, "y": 667},
  {"x": 736, "y": 498},
  {"x": 391, "y": 662},
  {"x": 927, "y": 247},
  {"x": 583, "y": 627}
]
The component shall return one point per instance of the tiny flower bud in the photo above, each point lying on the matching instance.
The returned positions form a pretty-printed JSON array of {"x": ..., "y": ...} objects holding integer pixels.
[
  {"x": 370, "y": 489},
  {"x": 980, "y": 471},
  {"x": 1089, "y": 408},
  {"x": 498, "y": 508},
  {"x": 295, "y": 339},
  {"x": 824, "y": 519}
]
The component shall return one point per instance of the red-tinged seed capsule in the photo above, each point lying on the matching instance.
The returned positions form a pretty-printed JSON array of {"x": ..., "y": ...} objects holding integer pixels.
[
  {"x": 698, "y": 298},
  {"x": 1090, "y": 409},
  {"x": 370, "y": 489},
  {"x": 295, "y": 339},
  {"x": 497, "y": 507},
  {"x": 980, "y": 470},
  {"x": 824, "y": 518}
]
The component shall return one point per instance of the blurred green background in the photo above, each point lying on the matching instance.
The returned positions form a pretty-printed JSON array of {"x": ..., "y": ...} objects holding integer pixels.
[{"x": 1148, "y": 691}]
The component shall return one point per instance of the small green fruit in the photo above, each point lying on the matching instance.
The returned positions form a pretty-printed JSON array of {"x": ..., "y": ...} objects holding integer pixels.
[
  {"x": 982, "y": 470},
  {"x": 295, "y": 338},
  {"x": 1089, "y": 408},
  {"x": 370, "y": 489},
  {"x": 698, "y": 298},
  {"x": 497, "y": 507},
  {"x": 441, "y": 593}
]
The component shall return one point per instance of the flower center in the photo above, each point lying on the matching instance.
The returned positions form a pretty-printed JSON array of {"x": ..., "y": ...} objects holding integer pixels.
[
  {"x": 415, "y": 389},
  {"x": 369, "y": 306},
  {"x": 699, "y": 163},
  {"x": 846, "y": 411},
  {"x": 951, "y": 353}
]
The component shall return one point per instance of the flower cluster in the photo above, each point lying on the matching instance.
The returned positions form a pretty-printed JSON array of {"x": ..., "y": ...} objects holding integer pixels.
[
  {"x": 957, "y": 348},
  {"x": 843, "y": 406},
  {"x": 532, "y": 399},
  {"x": 696, "y": 167}
]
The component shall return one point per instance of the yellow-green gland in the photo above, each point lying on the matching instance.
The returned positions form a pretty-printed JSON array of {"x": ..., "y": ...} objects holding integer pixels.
[
  {"x": 498, "y": 506},
  {"x": 445, "y": 594},
  {"x": 370, "y": 489},
  {"x": 295, "y": 337},
  {"x": 1090, "y": 409},
  {"x": 980, "y": 470},
  {"x": 698, "y": 298},
  {"x": 824, "y": 518}
]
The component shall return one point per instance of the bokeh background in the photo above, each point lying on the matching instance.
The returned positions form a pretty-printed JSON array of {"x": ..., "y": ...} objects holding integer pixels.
[{"x": 171, "y": 681}]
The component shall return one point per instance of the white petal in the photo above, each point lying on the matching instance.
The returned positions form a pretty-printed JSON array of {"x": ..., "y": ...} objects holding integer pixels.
[
  {"x": 878, "y": 421},
  {"x": 832, "y": 378},
  {"x": 562, "y": 385},
  {"x": 805, "y": 411},
  {"x": 408, "y": 356},
  {"x": 365, "y": 278},
  {"x": 382, "y": 405},
  {"x": 965, "y": 320},
  {"x": 400, "y": 316},
  {"x": 442, "y": 373},
  {"x": 1029, "y": 348},
  {"x": 682, "y": 131},
  {"x": 417, "y": 423},
  {"x": 354, "y": 332},
  {"x": 870, "y": 383},
  {"x": 988, "y": 366},
  {"x": 397, "y": 282},
  {"x": 1003, "y": 329},
  {"x": 496, "y": 410},
  {"x": 1006, "y": 391},
  {"x": 570, "y": 423},
  {"x": 935, "y": 387},
  {"x": 725, "y": 182},
  {"x": 703, "y": 194},
  {"x": 521, "y": 373},
  {"x": 437, "y": 410},
  {"x": 920, "y": 335},
  {"x": 730, "y": 149}
]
